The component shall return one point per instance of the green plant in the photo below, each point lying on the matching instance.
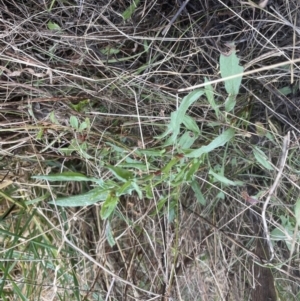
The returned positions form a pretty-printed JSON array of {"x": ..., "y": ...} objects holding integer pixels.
[
  {"x": 78, "y": 143},
  {"x": 140, "y": 172},
  {"x": 288, "y": 229},
  {"x": 175, "y": 192}
]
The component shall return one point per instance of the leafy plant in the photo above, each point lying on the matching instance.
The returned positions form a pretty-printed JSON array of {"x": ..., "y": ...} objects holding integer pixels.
[
  {"x": 78, "y": 143},
  {"x": 288, "y": 231},
  {"x": 229, "y": 66},
  {"x": 182, "y": 133},
  {"x": 133, "y": 175}
]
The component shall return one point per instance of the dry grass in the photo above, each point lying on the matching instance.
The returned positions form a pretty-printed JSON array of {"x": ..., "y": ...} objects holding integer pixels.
[{"x": 63, "y": 59}]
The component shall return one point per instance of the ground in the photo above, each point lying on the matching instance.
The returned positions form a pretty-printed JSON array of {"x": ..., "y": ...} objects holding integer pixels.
[{"x": 132, "y": 167}]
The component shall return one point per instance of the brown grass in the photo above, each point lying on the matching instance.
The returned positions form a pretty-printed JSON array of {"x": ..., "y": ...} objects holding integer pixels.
[{"x": 128, "y": 75}]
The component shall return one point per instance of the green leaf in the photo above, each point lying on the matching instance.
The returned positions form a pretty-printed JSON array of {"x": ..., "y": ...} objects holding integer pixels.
[
  {"x": 192, "y": 169},
  {"x": 284, "y": 233},
  {"x": 229, "y": 66},
  {"x": 138, "y": 166},
  {"x": 151, "y": 152},
  {"x": 121, "y": 173},
  {"x": 261, "y": 158},
  {"x": 109, "y": 206},
  {"x": 209, "y": 92},
  {"x": 179, "y": 178},
  {"x": 88, "y": 122},
  {"x": 222, "y": 179},
  {"x": 130, "y": 10},
  {"x": 149, "y": 191},
  {"x": 74, "y": 122},
  {"x": 191, "y": 124},
  {"x": 109, "y": 50},
  {"x": 285, "y": 90},
  {"x": 85, "y": 199},
  {"x": 187, "y": 101},
  {"x": 83, "y": 126},
  {"x": 80, "y": 106},
  {"x": 53, "y": 118},
  {"x": 261, "y": 131},
  {"x": 161, "y": 203},
  {"x": 168, "y": 167},
  {"x": 117, "y": 148},
  {"x": 109, "y": 235},
  {"x": 137, "y": 189},
  {"x": 198, "y": 193},
  {"x": 217, "y": 142},
  {"x": 126, "y": 188},
  {"x": 297, "y": 211},
  {"x": 53, "y": 26},
  {"x": 40, "y": 134},
  {"x": 230, "y": 103},
  {"x": 220, "y": 195},
  {"x": 172, "y": 210},
  {"x": 146, "y": 46},
  {"x": 39, "y": 199},
  {"x": 67, "y": 176},
  {"x": 187, "y": 140},
  {"x": 178, "y": 117},
  {"x": 277, "y": 235},
  {"x": 81, "y": 148}
]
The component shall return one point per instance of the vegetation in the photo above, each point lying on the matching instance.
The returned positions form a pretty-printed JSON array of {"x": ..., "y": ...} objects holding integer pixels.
[{"x": 149, "y": 159}]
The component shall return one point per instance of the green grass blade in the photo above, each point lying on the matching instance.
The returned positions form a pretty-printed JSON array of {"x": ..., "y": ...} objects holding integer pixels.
[
  {"x": 130, "y": 10},
  {"x": 217, "y": 142},
  {"x": 85, "y": 199}
]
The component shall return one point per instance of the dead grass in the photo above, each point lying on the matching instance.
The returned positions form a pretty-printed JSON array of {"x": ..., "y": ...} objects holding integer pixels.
[{"x": 124, "y": 77}]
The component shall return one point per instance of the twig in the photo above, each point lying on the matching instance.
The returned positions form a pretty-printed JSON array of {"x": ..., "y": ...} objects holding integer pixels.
[
  {"x": 81, "y": 3},
  {"x": 183, "y": 5},
  {"x": 218, "y": 229},
  {"x": 286, "y": 142}
]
